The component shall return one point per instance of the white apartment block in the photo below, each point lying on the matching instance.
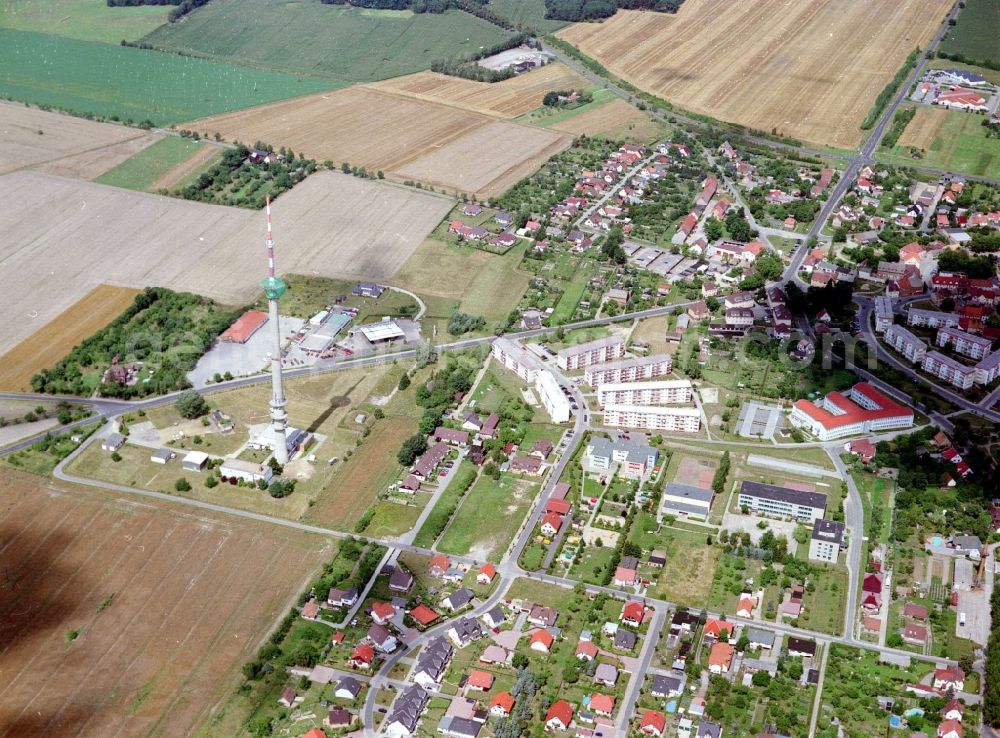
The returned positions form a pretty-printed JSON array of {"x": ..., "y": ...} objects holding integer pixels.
[
  {"x": 864, "y": 409},
  {"x": 966, "y": 344},
  {"x": 883, "y": 313},
  {"x": 739, "y": 316},
  {"x": 826, "y": 540},
  {"x": 682, "y": 419},
  {"x": 988, "y": 369},
  {"x": 516, "y": 358},
  {"x": 909, "y": 345},
  {"x": 594, "y": 352},
  {"x": 951, "y": 371},
  {"x": 629, "y": 370},
  {"x": 931, "y": 318},
  {"x": 556, "y": 403},
  {"x": 663, "y": 392}
]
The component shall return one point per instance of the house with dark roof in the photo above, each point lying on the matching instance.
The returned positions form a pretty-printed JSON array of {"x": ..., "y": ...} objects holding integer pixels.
[
  {"x": 406, "y": 711},
  {"x": 464, "y": 631},
  {"x": 432, "y": 661},
  {"x": 457, "y": 599}
]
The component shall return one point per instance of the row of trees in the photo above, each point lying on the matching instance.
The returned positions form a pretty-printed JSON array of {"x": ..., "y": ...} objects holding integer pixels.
[
  {"x": 582, "y": 10},
  {"x": 991, "y": 691},
  {"x": 183, "y": 7},
  {"x": 467, "y": 67}
]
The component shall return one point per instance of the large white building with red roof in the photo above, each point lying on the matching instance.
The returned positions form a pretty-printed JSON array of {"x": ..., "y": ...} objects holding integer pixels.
[{"x": 863, "y": 409}]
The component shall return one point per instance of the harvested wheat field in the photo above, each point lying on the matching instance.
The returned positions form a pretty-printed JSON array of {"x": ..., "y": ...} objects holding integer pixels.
[
  {"x": 507, "y": 99},
  {"x": 388, "y": 132},
  {"x": 126, "y": 618},
  {"x": 66, "y": 236},
  {"x": 810, "y": 70},
  {"x": 923, "y": 129},
  {"x": 616, "y": 120},
  {"x": 54, "y": 340},
  {"x": 479, "y": 163},
  {"x": 63, "y": 144}
]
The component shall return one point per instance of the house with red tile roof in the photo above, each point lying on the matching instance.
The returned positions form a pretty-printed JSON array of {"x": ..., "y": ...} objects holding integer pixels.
[
  {"x": 586, "y": 650},
  {"x": 541, "y": 640},
  {"x": 551, "y": 524},
  {"x": 423, "y": 614},
  {"x": 480, "y": 680},
  {"x": 949, "y": 729},
  {"x": 633, "y": 613},
  {"x": 502, "y": 704},
  {"x": 715, "y": 628},
  {"x": 864, "y": 409},
  {"x": 559, "y": 716},
  {"x": 602, "y": 704},
  {"x": 362, "y": 657},
  {"x": 652, "y": 723},
  {"x": 382, "y": 612},
  {"x": 486, "y": 573},
  {"x": 559, "y": 507},
  {"x": 438, "y": 565},
  {"x": 720, "y": 658}
]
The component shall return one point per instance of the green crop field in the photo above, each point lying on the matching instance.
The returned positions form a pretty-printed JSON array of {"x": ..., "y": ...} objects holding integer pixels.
[
  {"x": 339, "y": 42},
  {"x": 88, "y": 20},
  {"x": 975, "y": 34},
  {"x": 141, "y": 170},
  {"x": 530, "y": 13},
  {"x": 134, "y": 84},
  {"x": 960, "y": 146}
]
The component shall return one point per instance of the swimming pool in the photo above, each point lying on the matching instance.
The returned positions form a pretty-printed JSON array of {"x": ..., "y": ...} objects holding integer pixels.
[
  {"x": 672, "y": 706},
  {"x": 895, "y": 721}
]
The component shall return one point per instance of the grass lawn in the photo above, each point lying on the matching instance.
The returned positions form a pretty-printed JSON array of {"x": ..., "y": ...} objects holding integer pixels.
[
  {"x": 975, "y": 33},
  {"x": 134, "y": 84},
  {"x": 687, "y": 576},
  {"x": 527, "y": 12},
  {"x": 334, "y": 41},
  {"x": 43, "y": 456},
  {"x": 529, "y": 589},
  {"x": 497, "y": 287},
  {"x": 392, "y": 519},
  {"x": 445, "y": 506},
  {"x": 545, "y": 117},
  {"x": 823, "y": 608},
  {"x": 488, "y": 517},
  {"x": 88, "y": 20},
  {"x": 571, "y": 296},
  {"x": 961, "y": 146},
  {"x": 141, "y": 170}
]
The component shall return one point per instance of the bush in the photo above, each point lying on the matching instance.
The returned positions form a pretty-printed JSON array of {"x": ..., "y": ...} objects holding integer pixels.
[
  {"x": 191, "y": 405},
  {"x": 211, "y": 482},
  {"x": 116, "y": 457},
  {"x": 182, "y": 485}
]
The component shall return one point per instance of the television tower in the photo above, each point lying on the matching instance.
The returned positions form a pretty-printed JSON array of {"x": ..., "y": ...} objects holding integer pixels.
[{"x": 274, "y": 288}]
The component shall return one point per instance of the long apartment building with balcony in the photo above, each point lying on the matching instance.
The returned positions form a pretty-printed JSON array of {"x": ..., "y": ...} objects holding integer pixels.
[
  {"x": 594, "y": 352},
  {"x": 629, "y": 370},
  {"x": 681, "y": 419},
  {"x": 966, "y": 344},
  {"x": 931, "y": 318},
  {"x": 663, "y": 392},
  {"x": 515, "y": 357},
  {"x": 909, "y": 345},
  {"x": 949, "y": 370}
]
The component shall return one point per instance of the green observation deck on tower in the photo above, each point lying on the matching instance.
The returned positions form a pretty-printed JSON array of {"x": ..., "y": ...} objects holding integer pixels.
[{"x": 273, "y": 287}]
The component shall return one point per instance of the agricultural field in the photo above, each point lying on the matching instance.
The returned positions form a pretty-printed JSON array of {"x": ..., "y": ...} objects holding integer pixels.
[
  {"x": 53, "y": 340},
  {"x": 974, "y": 36},
  {"x": 87, "y": 20},
  {"x": 64, "y": 145},
  {"x": 338, "y": 42},
  {"x": 527, "y": 12},
  {"x": 810, "y": 71},
  {"x": 334, "y": 225},
  {"x": 947, "y": 139},
  {"x": 149, "y": 165},
  {"x": 92, "y": 78},
  {"x": 507, "y": 99},
  {"x": 616, "y": 120},
  {"x": 407, "y": 138},
  {"x": 209, "y": 591}
]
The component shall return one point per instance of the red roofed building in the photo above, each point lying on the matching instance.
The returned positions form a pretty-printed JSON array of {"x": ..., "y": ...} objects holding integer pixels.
[
  {"x": 438, "y": 565},
  {"x": 423, "y": 614},
  {"x": 602, "y": 704},
  {"x": 715, "y": 628},
  {"x": 652, "y": 723},
  {"x": 480, "y": 680},
  {"x": 863, "y": 448},
  {"x": 688, "y": 225},
  {"x": 551, "y": 524},
  {"x": 720, "y": 658},
  {"x": 541, "y": 640},
  {"x": 633, "y": 613},
  {"x": 382, "y": 612},
  {"x": 559, "y": 716},
  {"x": 486, "y": 573},
  {"x": 315, "y": 733},
  {"x": 962, "y": 99},
  {"x": 949, "y": 729},
  {"x": 362, "y": 657},
  {"x": 559, "y": 507},
  {"x": 502, "y": 704},
  {"x": 586, "y": 650},
  {"x": 864, "y": 409},
  {"x": 244, "y": 327},
  {"x": 624, "y": 577}
]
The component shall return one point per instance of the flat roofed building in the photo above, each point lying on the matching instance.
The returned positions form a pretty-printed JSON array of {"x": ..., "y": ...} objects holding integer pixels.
[
  {"x": 782, "y": 502},
  {"x": 975, "y": 347},
  {"x": 687, "y": 501},
  {"x": 932, "y": 318},
  {"x": 988, "y": 369},
  {"x": 906, "y": 343},
  {"x": 951, "y": 371},
  {"x": 594, "y": 352},
  {"x": 629, "y": 370},
  {"x": 883, "y": 313},
  {"x": 516, "y": 358},
  {"x": 635, "y": 458},
  {"x": 661, "y": 392},
  {"x": 381, "y": 332},
  {"x": 681, "y": 419},
  {"x": 826, "y": 540},
  {"x": 864, "y": 409},
  {"x": 248, "y": 471},
  {"x": 553, "y": 399}
]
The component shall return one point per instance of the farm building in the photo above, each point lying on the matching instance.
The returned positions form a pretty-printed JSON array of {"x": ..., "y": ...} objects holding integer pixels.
[
  {"x": 244, "y": 327},
  {"x": 195, "y": 461},
  {"x": 248, "y": 471}
]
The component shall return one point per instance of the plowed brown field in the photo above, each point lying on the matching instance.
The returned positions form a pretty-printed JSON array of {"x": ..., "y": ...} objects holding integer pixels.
[
  {"x": 192, "y": 597},
  {"x": 53, "y": 341},
  {"x": 507, "y": 99},
  {"x": 923, "y": 129},
  {"x": 403, "y": 136},
  {"x": 810, "y": 70}
]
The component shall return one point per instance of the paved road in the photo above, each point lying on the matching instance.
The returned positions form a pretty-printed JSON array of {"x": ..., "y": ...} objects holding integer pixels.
[{"x": 854, "y": 520}]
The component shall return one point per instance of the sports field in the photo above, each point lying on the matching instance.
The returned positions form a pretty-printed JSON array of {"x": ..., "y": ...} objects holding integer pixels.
[
  {"x": 52, "y": 341},
  {"x": 334, "y": 41},
  {"x": 807, "y": 70},
  {"x": 959, "y": 144},
  {"x": 333, "y": 225},
  {"x": 405, "y": 137},
  {"x": 507, "y": 99},
  {"x": 126, "y": 618},
  {"x": 975, "y": 34},
  {"x": 142, "y": 170},
  {"x": 88, "y": 20},
  {"x": 134, "y": 84}
]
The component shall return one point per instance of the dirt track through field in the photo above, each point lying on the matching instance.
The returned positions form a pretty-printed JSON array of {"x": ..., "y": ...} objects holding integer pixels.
[
  {"x": 192, "y": 597},
  {"x": 923, "y": 129},
  {"x": 53, "y": 340},
  {"x": 173, "y": 176},
  {"x": 403, "y": 136},
  {"x": 66, "y": 236},
  {"x": 810, "y": 70}
]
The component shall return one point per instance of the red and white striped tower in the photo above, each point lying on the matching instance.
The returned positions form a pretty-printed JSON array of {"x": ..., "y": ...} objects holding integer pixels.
[{"x": 274, "y": 288}]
